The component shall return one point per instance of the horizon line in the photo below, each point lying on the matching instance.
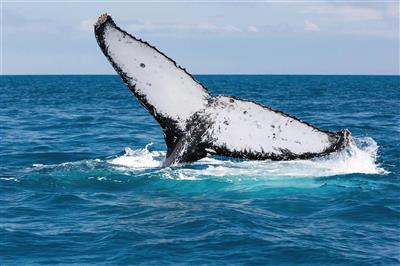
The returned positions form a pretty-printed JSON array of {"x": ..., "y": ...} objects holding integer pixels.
[{"x": 219, "y": 74}]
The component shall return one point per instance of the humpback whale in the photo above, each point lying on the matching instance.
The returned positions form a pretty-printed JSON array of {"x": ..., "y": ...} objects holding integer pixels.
[{"x": 194, "y": 122}]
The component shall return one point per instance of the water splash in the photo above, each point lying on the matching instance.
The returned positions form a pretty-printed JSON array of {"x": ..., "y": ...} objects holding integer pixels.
[
  {"x": 139, "y": 159},
  {"x": 359, "y": 157}
]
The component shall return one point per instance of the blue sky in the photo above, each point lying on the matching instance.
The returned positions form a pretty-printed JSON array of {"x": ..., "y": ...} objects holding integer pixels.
[{"x": 303, "y": 37}]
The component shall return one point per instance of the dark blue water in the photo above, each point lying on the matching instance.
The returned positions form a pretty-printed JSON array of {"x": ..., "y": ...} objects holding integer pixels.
[{"x": 79, "y": 185}]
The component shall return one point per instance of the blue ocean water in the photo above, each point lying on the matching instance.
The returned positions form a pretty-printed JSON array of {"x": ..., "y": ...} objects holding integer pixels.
[{"x": 80, "y": 181}]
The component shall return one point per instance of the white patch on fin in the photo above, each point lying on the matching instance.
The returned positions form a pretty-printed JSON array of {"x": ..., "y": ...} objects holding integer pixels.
[
  {"x": 244, "y": 126},
  {"x": 172, "y": 92}
]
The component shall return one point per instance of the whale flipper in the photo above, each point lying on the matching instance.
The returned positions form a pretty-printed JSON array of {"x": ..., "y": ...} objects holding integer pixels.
[{"x": 194, "y": 122}]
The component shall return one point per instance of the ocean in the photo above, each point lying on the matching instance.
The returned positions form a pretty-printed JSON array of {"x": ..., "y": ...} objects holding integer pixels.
[{"x": 81, "y": 183}]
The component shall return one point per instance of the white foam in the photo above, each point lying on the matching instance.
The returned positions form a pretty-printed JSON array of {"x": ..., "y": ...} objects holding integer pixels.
[
  {"x": 9, "y": 178},
  {"x": 139, "y": 159},
  {"x": 359, "y": 157}
]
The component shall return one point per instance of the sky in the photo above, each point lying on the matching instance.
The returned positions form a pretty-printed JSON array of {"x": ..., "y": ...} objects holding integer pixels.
[{"x": 273, "y": 37}]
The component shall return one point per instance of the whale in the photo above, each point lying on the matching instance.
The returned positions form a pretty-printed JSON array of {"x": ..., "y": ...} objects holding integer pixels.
[{"x": 197, "y": 124}]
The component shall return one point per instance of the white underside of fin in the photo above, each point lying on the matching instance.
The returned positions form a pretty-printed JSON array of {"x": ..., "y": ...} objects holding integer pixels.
[
  {"x": 246, "y": 126},
  {"x": 172, "y": 92}
]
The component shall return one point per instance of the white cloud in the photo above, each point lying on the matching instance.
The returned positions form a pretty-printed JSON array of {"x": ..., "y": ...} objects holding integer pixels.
[
  {"x": 252, "y": 29},
  {"x": 17, "y": 23},
  {"x": 87, "y": 24},
  {"x": 168, "y": 28},
  {"x": 346, "y": 12},
  {"x": 311, "y": 27},
  {"x": 175, "y": 28}
]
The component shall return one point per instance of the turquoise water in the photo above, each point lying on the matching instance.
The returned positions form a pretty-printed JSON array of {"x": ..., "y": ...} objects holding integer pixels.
[{"x": 80, "y": 181}]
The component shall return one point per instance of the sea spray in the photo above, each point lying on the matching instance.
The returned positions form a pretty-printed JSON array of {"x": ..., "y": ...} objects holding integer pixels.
[{"x": 359, "y": 157}]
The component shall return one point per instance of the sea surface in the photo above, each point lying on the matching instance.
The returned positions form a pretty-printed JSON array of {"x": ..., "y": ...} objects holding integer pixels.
[{"x": 81, "y": 183}]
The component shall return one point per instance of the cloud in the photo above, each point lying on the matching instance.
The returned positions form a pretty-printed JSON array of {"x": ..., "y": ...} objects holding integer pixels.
[
  {"x": 252, "y": 29},
  {"x": 169, "y": 28},
  {"x": 346, "y": 12},
  {"x": 87, "y": 24},
  {"x": 177, "y": 28},
  {"x": 197, "y": 29},
  {"x": 14, "y": 22},
  {"x": 311, "y": 27}
]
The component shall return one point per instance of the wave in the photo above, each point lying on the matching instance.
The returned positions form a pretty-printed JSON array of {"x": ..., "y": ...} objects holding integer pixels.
[
  {"x": 138, "y": 167},
  {"x": 140, "y": 158},
  {"x": 360, "y": 157}
]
